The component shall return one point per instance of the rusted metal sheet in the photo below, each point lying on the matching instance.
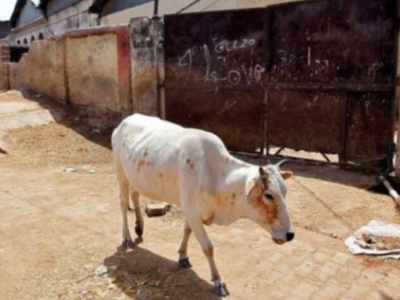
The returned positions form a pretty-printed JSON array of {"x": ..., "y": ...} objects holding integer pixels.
[
  {"x": 215, "y": 73},
  {"x": 303, "y": 120}
]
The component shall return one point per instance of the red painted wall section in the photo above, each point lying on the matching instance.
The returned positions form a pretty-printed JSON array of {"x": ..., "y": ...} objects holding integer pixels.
[{"x": 124, "y": 70}]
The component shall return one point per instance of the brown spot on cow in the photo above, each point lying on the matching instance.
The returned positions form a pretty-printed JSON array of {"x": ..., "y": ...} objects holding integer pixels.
[
  {"x": 160, "y": 175},
  {"x": 233, "y": 195},
  {"x": 146, "y": 152},
  {"x": 192, "y": 166},
  {"x": 268, "y": 212},
  {"x": 188, "y": 161}
]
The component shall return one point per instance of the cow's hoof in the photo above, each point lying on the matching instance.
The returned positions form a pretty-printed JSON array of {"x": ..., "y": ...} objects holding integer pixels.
[
  {"x": 220, "y": 289},
  {"x": 139, "y": 231},
  {"x": 184, "y": 263},
  {"x": 127, "y": 243}
]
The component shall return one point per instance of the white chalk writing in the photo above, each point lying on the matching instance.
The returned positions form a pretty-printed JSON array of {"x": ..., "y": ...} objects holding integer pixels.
[{"x": 222, "y": 68}]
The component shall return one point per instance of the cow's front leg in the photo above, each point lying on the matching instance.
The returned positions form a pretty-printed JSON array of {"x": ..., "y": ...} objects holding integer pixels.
[
  {"x": 183, "y": 257},
  {"x": 201, "y": 235}
]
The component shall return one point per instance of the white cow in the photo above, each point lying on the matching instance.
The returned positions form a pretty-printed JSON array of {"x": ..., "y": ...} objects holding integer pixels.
[{"x": 192, "y": 169}]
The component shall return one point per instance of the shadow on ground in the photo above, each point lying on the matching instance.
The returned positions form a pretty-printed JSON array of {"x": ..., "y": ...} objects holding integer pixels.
[
  {"x": 79, "y": 121},
  {"x": 95, "y": 129},
  {"x": 325, "y": 173},
  {"x": 141, "y": 274}
]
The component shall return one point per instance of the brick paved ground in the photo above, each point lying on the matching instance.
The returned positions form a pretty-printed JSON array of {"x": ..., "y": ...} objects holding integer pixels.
[{"x": 56, "y": 228}]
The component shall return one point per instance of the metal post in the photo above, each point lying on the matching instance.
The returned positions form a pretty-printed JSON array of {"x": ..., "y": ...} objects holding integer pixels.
[{"x": 155, "y": 8}]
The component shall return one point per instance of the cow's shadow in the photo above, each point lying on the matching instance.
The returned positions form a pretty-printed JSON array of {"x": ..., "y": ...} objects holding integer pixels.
[{"x": 142, "y": 274}]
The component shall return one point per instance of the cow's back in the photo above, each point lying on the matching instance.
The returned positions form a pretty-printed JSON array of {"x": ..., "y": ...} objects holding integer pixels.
[{"x": 157, "y": 156}]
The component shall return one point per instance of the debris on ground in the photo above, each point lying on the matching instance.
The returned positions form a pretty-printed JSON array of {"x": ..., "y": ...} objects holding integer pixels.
[
  {"x": 2, "y": 151},
  {"x": 101, "y": 270},
  {"x": 69, "y": 169},
  {"x": 334, "y": 235},
  {"x": 155, "y": 210},
  {"x": 143, "y": 293},
  {"x": 392, "y": 192},
  {"x": 377, "y": 238}
]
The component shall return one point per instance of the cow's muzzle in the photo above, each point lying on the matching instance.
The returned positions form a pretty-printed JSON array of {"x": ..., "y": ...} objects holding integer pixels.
[{"x": 289, "y": 237}]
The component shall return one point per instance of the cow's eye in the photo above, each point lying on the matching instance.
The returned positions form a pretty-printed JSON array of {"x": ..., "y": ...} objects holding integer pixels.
[{"x": 269, "y": 197}]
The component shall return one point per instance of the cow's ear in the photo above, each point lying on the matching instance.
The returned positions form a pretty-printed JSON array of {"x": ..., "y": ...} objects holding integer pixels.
[
  {"x": 250, "y": 185},
  {"x": 286, "y": 174}
]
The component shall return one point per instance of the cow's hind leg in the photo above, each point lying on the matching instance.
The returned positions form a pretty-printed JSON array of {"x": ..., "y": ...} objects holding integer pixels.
[
  {"x": 208, "y": 249},
  {"x": 139, "y": 218},
  {"x": 124, "y": 197},
  {"x": 183, "y": 257}
]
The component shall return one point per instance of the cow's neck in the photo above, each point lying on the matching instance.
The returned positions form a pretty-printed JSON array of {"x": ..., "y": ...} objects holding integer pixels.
[{"x": 231, "y": 192}]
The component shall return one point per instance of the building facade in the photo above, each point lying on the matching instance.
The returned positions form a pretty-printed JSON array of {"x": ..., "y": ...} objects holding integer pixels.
[
  {"x": 119, "y": 12},
  {"x": 50, "y": 18},
  {"x": 30, "y": 22}
]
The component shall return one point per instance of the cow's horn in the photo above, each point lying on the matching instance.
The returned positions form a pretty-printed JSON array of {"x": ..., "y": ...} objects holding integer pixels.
[
  {"x": 281, "y": 162},
  {"x": 263, "y": 174}
]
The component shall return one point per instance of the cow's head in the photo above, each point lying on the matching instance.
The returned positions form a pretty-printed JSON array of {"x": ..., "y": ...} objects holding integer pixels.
[{"x": 266, "y": 196}]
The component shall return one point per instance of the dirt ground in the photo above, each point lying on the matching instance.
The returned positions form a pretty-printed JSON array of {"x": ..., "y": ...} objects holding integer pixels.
[{"x": 60, "y": 232}]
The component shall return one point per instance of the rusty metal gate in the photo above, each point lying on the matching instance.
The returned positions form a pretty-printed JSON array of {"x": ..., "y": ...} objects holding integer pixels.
[{"x": 317, "y": 76}]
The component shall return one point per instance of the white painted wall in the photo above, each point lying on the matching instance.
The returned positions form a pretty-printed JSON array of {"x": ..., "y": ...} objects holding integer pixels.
[
  {"x": 174, "y": 6},
  {"x": 73, "y": 17}
]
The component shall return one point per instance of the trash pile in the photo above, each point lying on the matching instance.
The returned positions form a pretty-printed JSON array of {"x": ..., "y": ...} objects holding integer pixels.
[{"x": 377, "y": 238}]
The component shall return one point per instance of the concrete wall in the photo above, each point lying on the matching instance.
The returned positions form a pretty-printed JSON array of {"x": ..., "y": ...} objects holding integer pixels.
[
  {"x": 4, "y": 65},
  {"x": 146, "y": 64},
  {"x": 92, "y": 71},
  {"x": 86, "y": 68},
  {"x": 98, "y": 69},
  {"x": 42, "y": 69}
]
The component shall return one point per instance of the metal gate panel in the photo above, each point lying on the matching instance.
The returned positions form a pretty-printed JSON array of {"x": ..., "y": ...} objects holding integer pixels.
[
  {"x": 232, "y": 114},
  {"x": 333, "y": 49},
  {"x": 303, "y": 120},
  {"x": 311, "y": 75},
  {"x": 369, "y": 138},
  {"x": 297, "y": 51},
  {"x": 214, "y": 74},
  {"x": 339, "y": 44}
]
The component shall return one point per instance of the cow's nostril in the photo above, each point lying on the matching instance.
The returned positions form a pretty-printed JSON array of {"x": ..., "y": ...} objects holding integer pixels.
[{"x": 289, "y": 236}]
